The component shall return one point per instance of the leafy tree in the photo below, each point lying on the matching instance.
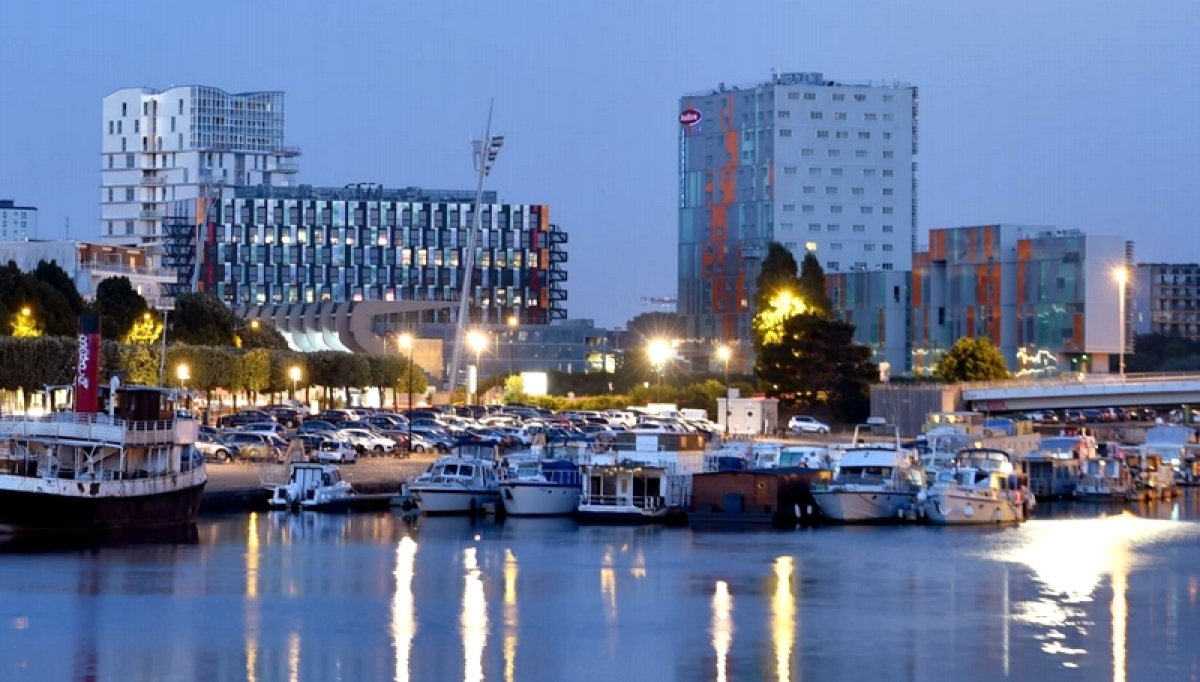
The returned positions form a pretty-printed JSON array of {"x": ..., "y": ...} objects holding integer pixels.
[
  {"x": 972, "y": 359},
  {"x": 256, "y": 334},
  {"x": 60, "y": 281},
  {"x": 777, "y": 296},
  {"x": 201, "y": 319},
  {"x": 25, "y": 324},
  {"x": 119, "y": 306},
  {"x": 254, "y": 370},
  {"x": 145, "y": 330},
  {"x": 812, "y": 286}
]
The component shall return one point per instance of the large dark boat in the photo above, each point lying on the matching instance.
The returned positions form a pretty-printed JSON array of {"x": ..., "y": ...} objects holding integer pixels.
[{"x": 132, "y": 466}]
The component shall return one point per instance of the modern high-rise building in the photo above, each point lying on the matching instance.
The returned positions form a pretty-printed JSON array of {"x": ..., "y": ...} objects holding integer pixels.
[
  {"x": 185, "y": 142},
  {"x": 1167, "y": 299},
  {"x": 17, "y": 223},
  {"x": 815, "y": 164}
]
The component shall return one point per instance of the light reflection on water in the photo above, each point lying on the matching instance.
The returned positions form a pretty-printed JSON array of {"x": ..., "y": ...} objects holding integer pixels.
[{"x": 341, "y": 597}]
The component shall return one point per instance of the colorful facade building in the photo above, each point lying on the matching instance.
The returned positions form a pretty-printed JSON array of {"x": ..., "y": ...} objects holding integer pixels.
[{"x": 1167, "y": 299}]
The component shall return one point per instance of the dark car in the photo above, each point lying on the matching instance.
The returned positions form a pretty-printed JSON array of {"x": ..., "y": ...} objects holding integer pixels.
[
  {"x": 244, "y": 417},
  {"x": 316, "y": 426},
  {"x": 288, "y": 416}
]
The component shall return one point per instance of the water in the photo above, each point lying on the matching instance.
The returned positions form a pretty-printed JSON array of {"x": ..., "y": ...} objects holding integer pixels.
[{"x": 1081, "y": 593}]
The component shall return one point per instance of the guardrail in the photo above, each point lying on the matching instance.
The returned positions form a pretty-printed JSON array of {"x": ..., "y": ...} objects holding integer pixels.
[{"x": 1082, "y": 380}]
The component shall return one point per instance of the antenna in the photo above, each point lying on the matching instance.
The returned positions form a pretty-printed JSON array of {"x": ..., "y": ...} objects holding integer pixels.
[{"x": 68, "y": 228}]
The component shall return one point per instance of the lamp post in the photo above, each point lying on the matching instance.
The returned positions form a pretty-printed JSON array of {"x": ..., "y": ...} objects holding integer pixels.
[
  {"x": 659, "y": 351},
  {"x": 406, "y": 341},
  {"x": 295, "y": 374},
  {"x": 1122, "y": 275},
  {"x": 184, "y": 374},
  {"x": 724, "y": 353},
  {"x": 512, "y": 330},
  {"x": 478, "y": 341}
]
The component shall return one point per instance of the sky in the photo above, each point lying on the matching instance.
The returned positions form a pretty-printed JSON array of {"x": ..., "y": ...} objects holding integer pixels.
[{"x": 1074, "y": 113}]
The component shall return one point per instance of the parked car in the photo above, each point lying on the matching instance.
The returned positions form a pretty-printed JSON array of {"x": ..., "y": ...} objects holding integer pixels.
[
  {"x": 216, "y": 449},
  {"x": 331, "y": 450},
  {"x": 288, "y": 416},
  {"x": 316, "y": 426},
  {"x": 265, "y": 427},
  {"x": 805, "y": 424},
  {"x": 242, "y": 418},
  {"x": 256, "y": 445},
  {"x": 365, "y": 441}
]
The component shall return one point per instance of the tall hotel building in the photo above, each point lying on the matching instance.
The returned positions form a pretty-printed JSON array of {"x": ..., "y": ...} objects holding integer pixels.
[
  {"x": 814, "y": 164},
  {"x": 185, "y": 142}
]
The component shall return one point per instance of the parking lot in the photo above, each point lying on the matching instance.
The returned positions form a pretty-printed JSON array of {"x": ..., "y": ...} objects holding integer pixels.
[{"x": 373, "y": 471}]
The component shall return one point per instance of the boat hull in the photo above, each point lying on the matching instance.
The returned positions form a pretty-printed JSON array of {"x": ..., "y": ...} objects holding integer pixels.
[
  {"x": 603, "y": 514},
  {"x": 959, "y": 510},
  {"x": 864, "y": 506},
  {"x": 539, "y": 499},
  {"x": 453, "y": 501},
  {"x": 73, "y": 509}
]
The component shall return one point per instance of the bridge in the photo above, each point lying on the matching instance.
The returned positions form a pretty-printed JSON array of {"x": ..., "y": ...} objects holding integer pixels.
[{"x": 1083, "y": 391}]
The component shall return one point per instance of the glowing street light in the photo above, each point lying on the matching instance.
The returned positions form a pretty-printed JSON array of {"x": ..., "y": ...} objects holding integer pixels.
[
  {"x": 1122, "y": 275},
  {"x": 184, "y": 373},
  {"x": 512, "y": 330},
  {"x": 659, "y": 351},
  {"x": 477, "y": 340},
  {"x": 295, "y": 374},
  {"x": 724, "y": 353}
]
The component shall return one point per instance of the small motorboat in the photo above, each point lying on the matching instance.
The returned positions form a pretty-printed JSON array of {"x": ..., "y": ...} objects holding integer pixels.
[{"x": 319, "y": 487}]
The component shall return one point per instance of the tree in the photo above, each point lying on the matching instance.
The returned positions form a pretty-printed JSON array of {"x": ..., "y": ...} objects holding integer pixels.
[
  {"x": 779, "y": 274},
  {"x": 972, "y": 359},
  {"x": 119, "y": 306},
  {"x": 60, "y": 281},
  {"x": 812, "y": 286},
  {"x": 256, "y": 334},
  {"x": 25, "y": 324},
  {"x": 201, "y": 319}
]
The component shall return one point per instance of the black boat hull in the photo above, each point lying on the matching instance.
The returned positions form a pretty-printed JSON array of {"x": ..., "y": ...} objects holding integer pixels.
[{"x": 24, "y": 512}]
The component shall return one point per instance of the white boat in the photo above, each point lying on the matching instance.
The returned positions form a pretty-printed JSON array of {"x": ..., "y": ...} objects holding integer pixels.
[
  {"x": 1103, "y": 478},
  {"x": 874, "y": 481},
  {"x": 982, "y": 488},
  {"x": 540, "y": 487},
  {"x": 463, "y": 483},
  {"x": 640, "y": 478},
  {"x": 319, "y": 487}
]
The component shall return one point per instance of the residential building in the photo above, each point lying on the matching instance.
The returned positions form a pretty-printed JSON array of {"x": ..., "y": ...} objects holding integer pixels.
[
  {"x": 1166, "y": 299},
  {"x": 185, "y": 142},
  {"x": 17, "y": 223},
  {"x": 878, "y": 304},
  {"x": 88, "y": 264},
  {"x": 1047, "y": 298},
  {"x": 815, "y": 164}
]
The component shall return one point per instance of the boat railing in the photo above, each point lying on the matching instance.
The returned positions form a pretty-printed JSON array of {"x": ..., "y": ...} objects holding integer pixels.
[
  {"x": 90, "y": 426},
  {"x": 639, "y": 501}
]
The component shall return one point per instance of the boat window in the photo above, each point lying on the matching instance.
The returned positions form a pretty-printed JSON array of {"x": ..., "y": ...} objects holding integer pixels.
[
  {"x": 883, "y": 472},
  {"x": 450, "y": 470},
  {"x": 466, "y": 470}
]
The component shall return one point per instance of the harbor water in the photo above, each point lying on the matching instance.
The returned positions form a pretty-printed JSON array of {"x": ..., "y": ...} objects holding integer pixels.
[{"x": 1082, "y": 592}]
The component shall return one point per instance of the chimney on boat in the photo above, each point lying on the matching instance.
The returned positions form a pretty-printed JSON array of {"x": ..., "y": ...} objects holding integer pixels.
[{"x": 87, "y": 373}]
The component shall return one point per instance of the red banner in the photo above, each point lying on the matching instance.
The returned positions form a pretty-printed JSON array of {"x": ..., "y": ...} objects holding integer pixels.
[{"x": 87, "y": 374}]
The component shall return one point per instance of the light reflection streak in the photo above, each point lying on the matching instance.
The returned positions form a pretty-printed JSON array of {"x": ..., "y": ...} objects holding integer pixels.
[
  {"x": 474, "y": 619},
  {"x": 253, "y": 556},
  {"x": 510, "y": 615},
  {"x": 293, "y": 658},
  {"x": 639, "y": 565},
  {"x": 404, "y": 617},
  {"x": 722, "y": 626},
  {"x": 608, "y": 586},
  {"x": 1005, "y": 633},
  {"x": 1120, "y": 619},
  {"x": 783, "y": 614}
]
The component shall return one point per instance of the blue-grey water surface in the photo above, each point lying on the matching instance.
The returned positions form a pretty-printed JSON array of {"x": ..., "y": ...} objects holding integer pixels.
[{"x": 1080, "y": 593}]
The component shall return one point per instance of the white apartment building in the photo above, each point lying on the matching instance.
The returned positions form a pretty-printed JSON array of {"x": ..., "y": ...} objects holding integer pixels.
[
  {"x": 17, "y": 223},
  {"x": 186, "y": 142}
]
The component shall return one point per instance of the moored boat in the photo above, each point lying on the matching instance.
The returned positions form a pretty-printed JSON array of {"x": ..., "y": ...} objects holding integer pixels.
[
  {"x": 540, "y": 487},
  {"x": 640, "y": 478},
  {"x": 320, "y": 487},
  {"x": 874, "y": 482},
  {"x": 462, "y": 483},
  {"x": 982, "y": 488}
]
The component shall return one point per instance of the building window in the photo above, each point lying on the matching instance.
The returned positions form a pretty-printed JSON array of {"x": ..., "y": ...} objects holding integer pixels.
[
  {"x": 888, "y": 247},
  {"x": 128, "y": 227},
  {"x": 111, "y": 127},
  {"x": 833, "y": 227},
  {"x": 865, "y": 209},
  {"x": 822, "y": 134},
  {"x": 839, "y": 116},
  {"x": 886, "y": 266},
  {"x": 128, "y": 194},
  {"x": 835, "y": 246},
  {"x": 124, "y": 109},
  {"x": 810, "y": 96},
  {"x": 860, "y": 228},
  {"x": 129, "y": 160},
  {"x": 808, "y": 208},
  {"x": 814, "y": 171},
  {"x": 789, "y": 208},
  {"x": 833, "y": 265},
  {"x": 835, "y": 152},
  {"x": 816, "y": 115},
  {"x": 887, "y": 210},
  {"x": 887, "y": 172},
  {"x": 787, "y": 227},
  {"x": 864, "y": 135},
  {"x": 811, "y": 247},
  {"x": 806, "y": 152},
  {"x": 887, "y": 229},
  {"x": 110, "y": 160},
  {"x": 888, "y": 98},
  {"x": 789, "y": 170},
  {"x": 887, "y": 117},
  {"x": 868, "y": 117},
  {"x": 887, "y": 191},
  {"x": 860, "y": 265},
  {"x": 868, "y": 247},
  {"x": 110, "y": 194},
  {"x": 137, "y": 126},
  {"x": 857, "y": 191},
  {"x": 835, "y": 209},
  {"x": 785, "y": 132},
  {"x": 887, "y": 136},
  {"x": 835, "y": 171},
  {"x": 793, "y": 95},
  {"x": 838, "y": 97},
  {"x": 809, "y": 189},
  {"x": 784, "y": 113},
  {"x": 887, "y": 154},
  {"x": 814, "y": 227},
  {"x": 860, "y": 98},
  {"x": 868, "y": 172},
  {"x": 831, "y": 190},
  {"x": 842, "y": 134},
  {"x": 860, "y": 153}
]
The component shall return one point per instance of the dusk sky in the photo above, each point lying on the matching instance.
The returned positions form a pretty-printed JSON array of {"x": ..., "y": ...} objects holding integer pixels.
[{"x": 1075, "y": 113}]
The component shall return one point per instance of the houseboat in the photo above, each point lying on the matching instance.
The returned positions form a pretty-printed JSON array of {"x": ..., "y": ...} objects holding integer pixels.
[
  {"x": 640, "y": 478},
  {"x": 1054, "y": 467}
]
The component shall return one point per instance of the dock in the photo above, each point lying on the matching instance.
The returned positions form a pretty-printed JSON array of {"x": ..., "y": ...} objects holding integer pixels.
[{"x": 237, "y": 487}]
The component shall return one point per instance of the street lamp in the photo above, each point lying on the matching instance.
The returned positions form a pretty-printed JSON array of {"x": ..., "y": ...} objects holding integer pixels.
[
  {"x": 724, "y": 353},
  {"x": 295, "y": 374},
  {"x": 184, "y": 374},
  {"x": 477, "y": 340},
  {"x": 512, "y": 329},
  {"x": 659, "y": 351},
  {"x": 406, "y": 341},
  {"x": 1122, "y": 275}
]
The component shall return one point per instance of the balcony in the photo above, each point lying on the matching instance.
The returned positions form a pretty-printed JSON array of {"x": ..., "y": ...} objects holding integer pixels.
[
  {"x": 151, "y": 214},
  {"x": 153, "y": 181},
  {"x": 287, "y": 151},
  {"x": 284, "y": 168}
]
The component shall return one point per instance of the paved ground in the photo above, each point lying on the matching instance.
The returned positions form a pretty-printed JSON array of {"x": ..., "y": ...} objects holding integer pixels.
[{"x": 370, "y": 471}]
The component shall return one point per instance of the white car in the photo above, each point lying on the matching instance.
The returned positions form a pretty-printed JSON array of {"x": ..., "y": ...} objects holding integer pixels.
[
  {"x": 366, "y": 441},
  {"x": 336, "y": 451},
  {"x": 805, "y": 424}
]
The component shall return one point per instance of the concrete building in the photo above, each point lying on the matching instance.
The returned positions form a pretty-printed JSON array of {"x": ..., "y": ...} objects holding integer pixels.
[
  {"x": 878, "y": 304},
  {"x": 815, "y": 164},
  {"x": 1166, "y": 299},
  {"x": 17, "y": 223},
  {"x": 1047, "y": 298},
  {"x": 89, "y": 264},
  {"x": 186, "y": 142}
]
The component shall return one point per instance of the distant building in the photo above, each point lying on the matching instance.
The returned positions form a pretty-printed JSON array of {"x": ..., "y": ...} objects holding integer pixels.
[
  {"x": 1167, "y": 299},
  {"x": 89, "y": 264},
  {"x": 878, "y": 304},
  {"x": 815, "y": 164},
  {"x": 186, "y": 142},
  {"x": 1048, "y": 298},
  {"x": 17, "y": 223}
]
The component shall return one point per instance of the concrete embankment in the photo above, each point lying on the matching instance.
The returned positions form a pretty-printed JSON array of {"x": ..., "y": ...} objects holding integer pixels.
[{"x": 238, "y": 487}]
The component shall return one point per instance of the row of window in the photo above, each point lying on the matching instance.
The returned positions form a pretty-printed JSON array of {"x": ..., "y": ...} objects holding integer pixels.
[
  {"x": 836, "y": 208},
  {"x": 837, "y": 97},
  {"x": 486, "y": 257},
  {"x": 854, "y": 191},
  {"x": 816, "y": 227}
]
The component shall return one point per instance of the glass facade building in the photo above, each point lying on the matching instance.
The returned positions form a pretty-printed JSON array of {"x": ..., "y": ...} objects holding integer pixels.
[{"x": 1167, "y": 299}]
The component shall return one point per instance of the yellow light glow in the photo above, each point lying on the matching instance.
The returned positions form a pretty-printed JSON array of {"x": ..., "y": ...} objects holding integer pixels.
[
  {"x": 782, "y": 307},
  {"x": 1121, "y": 274},
  {"x": 183, "y": 372},
  {"x": 404, "y": 613},
  {"x": 608, "y": 586},
  {"x": 1120, "y": 620},
  {"x": 405, "y": 341},
  {"x": 294, "y": 372},
  {"x": 724, "y": 353},
  {"x": 474, "y": 621},
  {"x": 25, "y": 311},
  {"x": 477, "y": 340},
  {"x": 510, "y": 616},
  {"x": 783, "y": 618},
  {"x": 254, "y": 324},
  {"x": 659, "y": 351},
  {"x": 722, "y": 626},
  {"x": 512, "y": 320}
]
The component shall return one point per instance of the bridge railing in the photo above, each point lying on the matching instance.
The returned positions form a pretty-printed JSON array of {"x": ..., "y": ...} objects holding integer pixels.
[{"x": 1080, "y": 379}]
